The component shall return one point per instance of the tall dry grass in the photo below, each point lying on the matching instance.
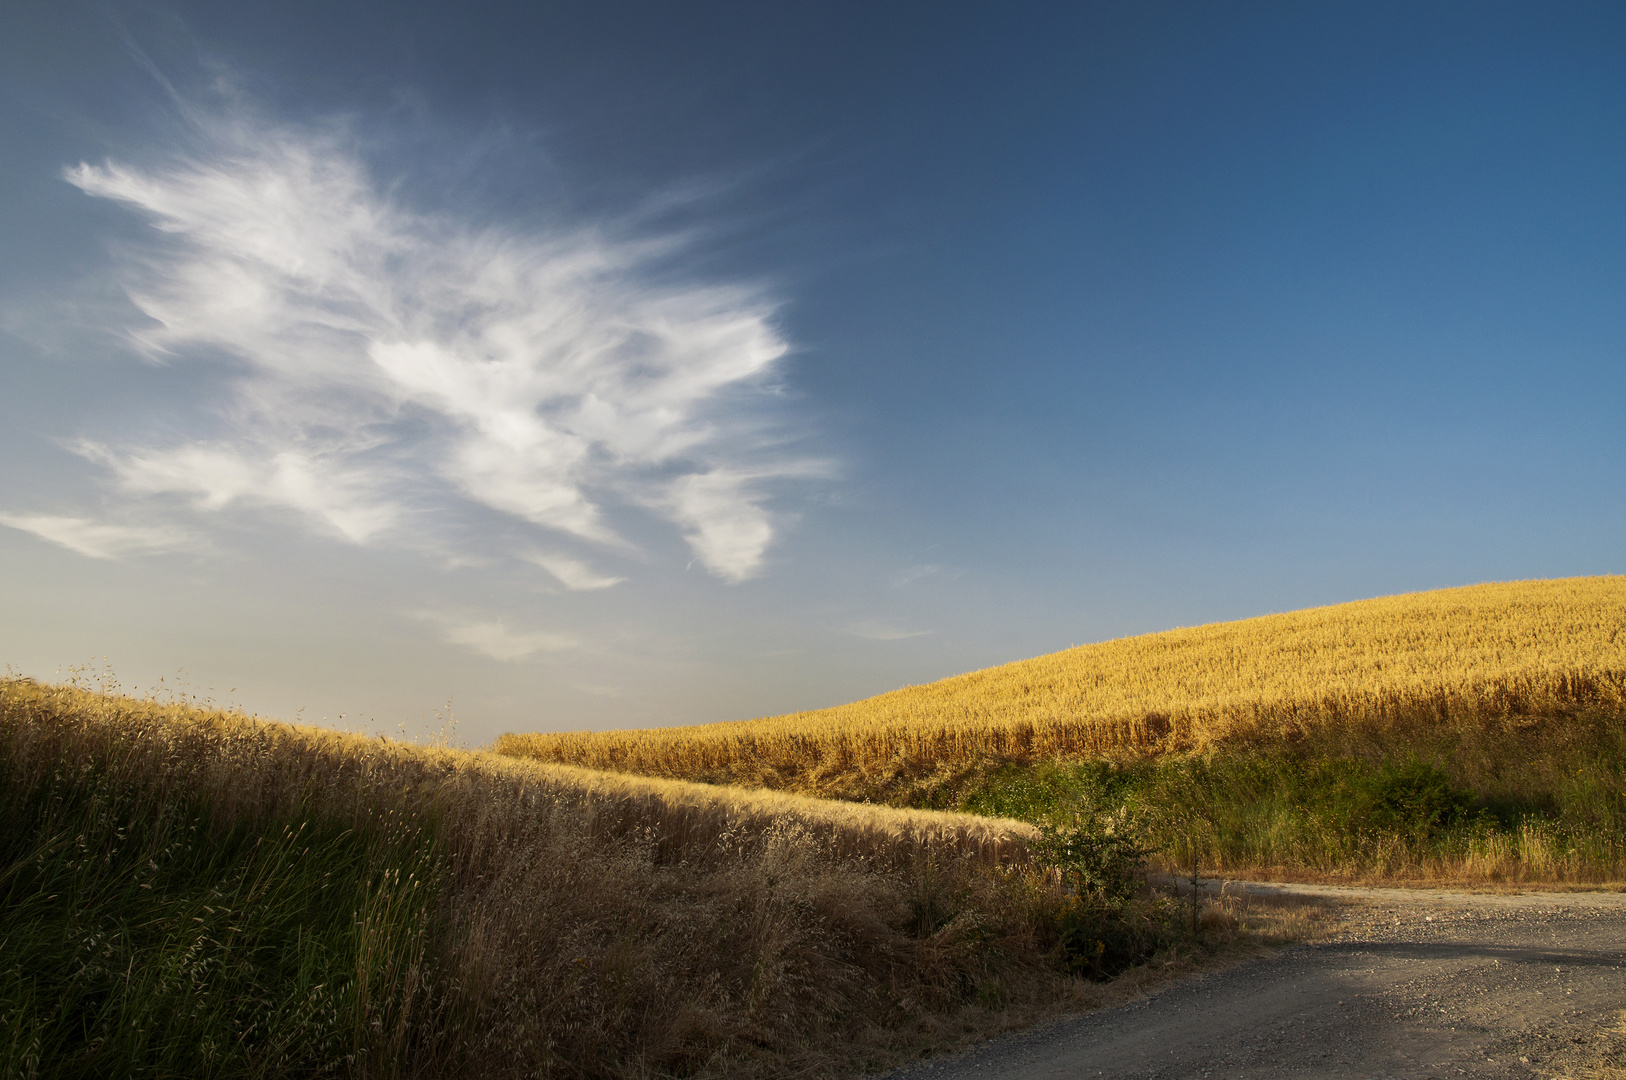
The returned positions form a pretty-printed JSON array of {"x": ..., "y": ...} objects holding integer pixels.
[
  {"x": 505, "y": 918},
  {"x": 1403, "y": 667}
]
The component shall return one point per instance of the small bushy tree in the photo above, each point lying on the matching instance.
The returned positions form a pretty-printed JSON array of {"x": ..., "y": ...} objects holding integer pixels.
[{"x": 1095, "y": 860}]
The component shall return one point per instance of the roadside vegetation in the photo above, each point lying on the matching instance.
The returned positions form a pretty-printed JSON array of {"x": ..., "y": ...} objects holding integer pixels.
[
  {"x": 1473, "y": 734},
  {"x": 193, "y": 893}
]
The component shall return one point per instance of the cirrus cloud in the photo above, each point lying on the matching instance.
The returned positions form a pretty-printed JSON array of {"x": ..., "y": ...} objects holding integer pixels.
[
  {"x": 391, "y": 364},
  {"x": 572, "y": 573},
  {"x": 493, "y": 639},
  {"x": 884, "y": 630},
  {"x": 97, "y": 539}
]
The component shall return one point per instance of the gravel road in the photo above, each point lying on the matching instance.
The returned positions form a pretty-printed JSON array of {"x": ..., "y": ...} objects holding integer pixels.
[{"x": 1417, "y": 983}]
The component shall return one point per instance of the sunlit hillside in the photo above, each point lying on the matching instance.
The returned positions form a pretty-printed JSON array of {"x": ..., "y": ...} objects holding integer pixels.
[{"x": 1450, "y": 659}]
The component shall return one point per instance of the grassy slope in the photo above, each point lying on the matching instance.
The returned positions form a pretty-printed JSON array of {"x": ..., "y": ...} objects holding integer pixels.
[
  {"x": 199, "y": 894},
  {"x": 1472, "y": 732}
]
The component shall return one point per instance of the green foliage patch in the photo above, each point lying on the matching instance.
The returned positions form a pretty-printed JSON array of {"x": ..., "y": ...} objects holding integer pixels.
[
  {"x": 1344, "y": 813},
  {"x": 146, "y": 937},
  {"x": 1107, "y": 922}
]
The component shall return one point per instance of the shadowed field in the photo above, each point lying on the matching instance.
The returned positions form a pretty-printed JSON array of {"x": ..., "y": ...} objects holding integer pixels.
[{"x": 203, "y": 894}]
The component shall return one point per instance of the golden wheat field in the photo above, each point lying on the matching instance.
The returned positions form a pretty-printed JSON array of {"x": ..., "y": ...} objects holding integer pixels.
[
  {"x": 1462, "y": 656},
  {"x": 252, "y": 768}
]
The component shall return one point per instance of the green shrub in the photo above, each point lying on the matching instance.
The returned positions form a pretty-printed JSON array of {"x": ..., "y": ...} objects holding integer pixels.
[
  {"x": 1094, "y": 860},
  {"x": 1105, "y": 923}
]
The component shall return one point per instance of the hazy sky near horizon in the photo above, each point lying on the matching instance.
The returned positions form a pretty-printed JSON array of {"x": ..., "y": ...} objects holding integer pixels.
[{"x": 623, "y": 364}]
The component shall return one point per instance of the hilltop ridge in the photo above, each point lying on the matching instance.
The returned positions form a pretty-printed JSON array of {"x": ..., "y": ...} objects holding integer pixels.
[
  {"x": 1451, "y": 656},
  {"x": 1469, "y": 734}
]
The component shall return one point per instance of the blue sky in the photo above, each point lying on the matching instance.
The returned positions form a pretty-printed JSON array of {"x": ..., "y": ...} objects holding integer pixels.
[{"x": 605, "y": 365}]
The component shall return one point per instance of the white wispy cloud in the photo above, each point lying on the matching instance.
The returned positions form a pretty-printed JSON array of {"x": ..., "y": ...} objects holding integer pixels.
[
  {"x": 918, "y": 572},
  {"x": 217, "y": 475},
  {"x": 393, "y": 360},
  {"x": 98, "y": 539},
  {"x": 883, "y": 630},
  {"x": 572, "y": 573},
  {"x": 492, "y": 638},
  {"x": 725, "y": 528}
]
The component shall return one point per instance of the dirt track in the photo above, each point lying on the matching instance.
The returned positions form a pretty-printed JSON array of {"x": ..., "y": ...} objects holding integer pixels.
[{"x": 1418, "y": 983}]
